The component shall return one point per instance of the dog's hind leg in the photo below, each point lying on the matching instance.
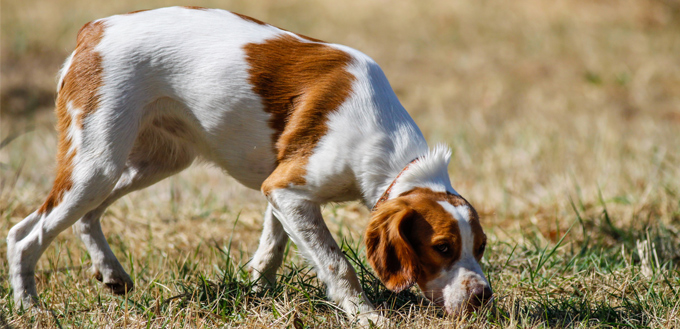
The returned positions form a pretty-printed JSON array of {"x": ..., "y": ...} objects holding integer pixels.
[
  {"x": 269, "y": 254},
  {"x": 86, "y": 174},
  {"x": 98, "y": 124},
  {"x": 155, "y": 156}
]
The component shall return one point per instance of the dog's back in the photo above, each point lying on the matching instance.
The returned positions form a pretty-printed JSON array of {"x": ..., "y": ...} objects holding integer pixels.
[
  {"x": 233, "y": 90},
  {"x": 146, "y": 93},
  {"x": 307, "y": 122}
]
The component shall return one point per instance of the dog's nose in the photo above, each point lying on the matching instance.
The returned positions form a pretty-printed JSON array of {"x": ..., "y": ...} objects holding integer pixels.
[{"x": 480, "y": 295}]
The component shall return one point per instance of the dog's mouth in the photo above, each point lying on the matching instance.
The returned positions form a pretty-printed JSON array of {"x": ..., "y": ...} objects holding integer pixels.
[
  {"x": 436, "y": 297},
  {"x": 477, "y": 299}
]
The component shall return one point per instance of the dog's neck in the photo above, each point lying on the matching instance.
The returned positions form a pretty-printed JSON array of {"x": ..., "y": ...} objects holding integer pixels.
[
  {"x": 386, "y": 195},
  {"x": 394, "y": 140},
  {"x": 428, "y": 171}
]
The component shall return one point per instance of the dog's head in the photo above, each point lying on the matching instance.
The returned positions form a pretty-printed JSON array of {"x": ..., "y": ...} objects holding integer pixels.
[{"x": 433, "y": 239}]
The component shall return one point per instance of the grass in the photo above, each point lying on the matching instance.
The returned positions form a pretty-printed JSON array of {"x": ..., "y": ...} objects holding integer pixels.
[
  {"x": 562, "y": 284},
  {"x": 563, "y": 117}
]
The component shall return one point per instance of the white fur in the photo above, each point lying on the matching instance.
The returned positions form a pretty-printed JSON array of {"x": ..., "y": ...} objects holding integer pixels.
[
  {"x": 190, "y": 65},
  {"x": 448, "y": 285},
  {"x": 429, "y": 170},
  {"x": 63, "y": 70}
]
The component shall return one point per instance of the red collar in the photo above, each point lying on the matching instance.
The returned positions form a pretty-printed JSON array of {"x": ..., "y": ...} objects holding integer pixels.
[{"x": 386, "y": 194}]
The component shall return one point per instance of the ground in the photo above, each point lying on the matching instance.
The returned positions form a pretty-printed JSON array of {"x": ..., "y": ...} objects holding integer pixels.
[{"x": 564, "y": 121}]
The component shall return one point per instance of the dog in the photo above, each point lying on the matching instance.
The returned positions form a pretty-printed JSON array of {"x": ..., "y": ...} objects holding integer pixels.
[{"x": 306, "y": 122}]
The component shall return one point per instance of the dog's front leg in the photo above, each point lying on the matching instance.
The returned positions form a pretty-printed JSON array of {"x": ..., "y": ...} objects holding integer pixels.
[
  {"x": 304, "y": 224},
  {"x": 269, "y": 254}
]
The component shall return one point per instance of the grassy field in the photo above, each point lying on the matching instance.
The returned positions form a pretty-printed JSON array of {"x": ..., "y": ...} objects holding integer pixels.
[{"x": 564, "y": 121}]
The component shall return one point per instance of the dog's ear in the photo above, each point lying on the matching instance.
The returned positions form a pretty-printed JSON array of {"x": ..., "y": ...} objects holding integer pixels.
[{"x": 387, "y": 247}]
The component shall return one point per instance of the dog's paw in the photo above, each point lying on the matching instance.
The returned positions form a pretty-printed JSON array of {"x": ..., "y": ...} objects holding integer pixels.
[
  {"x": 28, "y": 303},
  {"x": 261, "y": 283},
  {"x": 117, "y": 283},
  {"x": 261, "y": 287},
  {"x": 373, "y": 319}
]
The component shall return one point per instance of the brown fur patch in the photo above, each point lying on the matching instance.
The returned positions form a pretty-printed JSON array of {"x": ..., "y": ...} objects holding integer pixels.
[
  {"x": 429, "y": 225},
  {"x": 257, "y": 21},
  {"x": 136, "y": 11},
  {"x": 84, "y": 77},
  {"x": 62, "y": 181},
  {"x": 79, "y": 88},
  {"x": 249, "y": 19},
  {"x": 308, "y": 38},
  {"x": 195, "y": 7},
  {"x": 389, "y": 250},
  {"x": 479, "y": 237},
  {"x": 300, "y": 83},
  {"x": 466, "y": 283}
]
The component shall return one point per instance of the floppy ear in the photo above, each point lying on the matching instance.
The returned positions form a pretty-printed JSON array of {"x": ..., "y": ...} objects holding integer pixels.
[{"x": 388, "y": 250}]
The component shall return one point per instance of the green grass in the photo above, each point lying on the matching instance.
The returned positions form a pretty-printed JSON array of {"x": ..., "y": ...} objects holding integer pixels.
[
  {"x": 572, "y": 282},
  {"x": 563, "y": 119}
]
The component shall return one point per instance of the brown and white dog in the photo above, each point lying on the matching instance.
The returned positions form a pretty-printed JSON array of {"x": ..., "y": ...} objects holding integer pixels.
[{"x": 306, "y": 122}]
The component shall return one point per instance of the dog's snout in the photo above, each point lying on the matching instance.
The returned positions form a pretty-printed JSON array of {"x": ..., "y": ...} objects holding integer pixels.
[{"x": 480, "y": 296}]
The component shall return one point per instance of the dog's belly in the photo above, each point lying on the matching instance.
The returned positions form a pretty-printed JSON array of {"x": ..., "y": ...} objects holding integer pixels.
[
  {"x": 250, "y": 164},
  {"x": 242, "y": 145},
  {"x": 236, "y": 138}
]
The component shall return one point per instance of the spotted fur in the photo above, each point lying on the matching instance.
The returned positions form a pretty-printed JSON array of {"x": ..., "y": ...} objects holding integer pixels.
[{"x": 307, "y": 122}]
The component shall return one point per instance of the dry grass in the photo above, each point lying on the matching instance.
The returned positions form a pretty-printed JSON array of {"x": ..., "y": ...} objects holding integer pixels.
[{"x": 564, "y": 118}]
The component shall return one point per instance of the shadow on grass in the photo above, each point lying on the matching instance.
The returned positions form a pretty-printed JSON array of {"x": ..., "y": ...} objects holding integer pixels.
[
  {"x": 569, "y": 312},
  {"x": 234, "y": 292},
  {"x": 542, "y": 271},
  {"x": 565, "y": 282},
  {"x": 230, "y": 297},
  {"x": 564, "y": 312}
]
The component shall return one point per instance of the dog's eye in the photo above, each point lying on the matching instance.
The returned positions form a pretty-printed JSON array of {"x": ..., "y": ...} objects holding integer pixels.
[
  {"x": 482, "y": 247},
  {"x": 442, "y": 248}
]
